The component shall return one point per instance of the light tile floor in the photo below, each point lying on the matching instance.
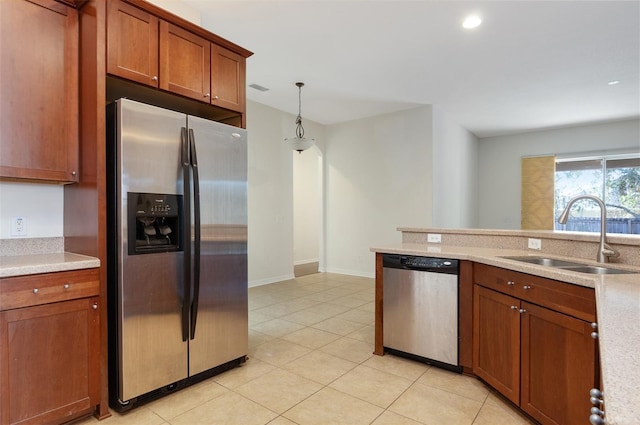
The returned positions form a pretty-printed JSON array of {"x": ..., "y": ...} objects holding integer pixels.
[{"x": 311, "y": 363}]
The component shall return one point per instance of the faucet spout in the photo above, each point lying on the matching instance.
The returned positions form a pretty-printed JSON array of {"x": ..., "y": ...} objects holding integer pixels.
[{"x": 604, "y": 251}]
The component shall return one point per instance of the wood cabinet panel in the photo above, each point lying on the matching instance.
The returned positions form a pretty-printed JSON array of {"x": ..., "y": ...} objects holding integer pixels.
[
  {"x": 132, "y": 43},
  {"x": 26, "y": 291},
  {"x": 496, "y": 354},
  {"x": 39, "y": 91},
  {"x": 228, "y": 77},
  {"x": 557, "y": 355},
  {"x": 574, "y": 300},
  {"x": 185, "y": 63},
  {"x": 49, "y": 358}
]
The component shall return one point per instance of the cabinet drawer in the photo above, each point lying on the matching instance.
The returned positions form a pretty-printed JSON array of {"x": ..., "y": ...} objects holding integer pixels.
[
  {"x": 25, "y": 291},
  {"x": 574, "y": 300}
]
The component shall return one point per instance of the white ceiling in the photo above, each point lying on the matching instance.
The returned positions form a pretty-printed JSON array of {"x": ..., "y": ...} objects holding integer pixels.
[{"x": 530, "y": 65}]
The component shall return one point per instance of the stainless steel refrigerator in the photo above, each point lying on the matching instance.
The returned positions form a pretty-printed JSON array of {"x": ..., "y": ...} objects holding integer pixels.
[{"x": 177, "y": 250}]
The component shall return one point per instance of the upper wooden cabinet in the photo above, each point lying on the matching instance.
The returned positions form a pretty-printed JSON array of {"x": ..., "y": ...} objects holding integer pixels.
[
  {"x": 39, "y": 91},
  {"x": 182, "y": 59},
  {"x": 132, "y": 44},
  {"x": 227, "y": 79},
  {"x": 185, "y": 63}
]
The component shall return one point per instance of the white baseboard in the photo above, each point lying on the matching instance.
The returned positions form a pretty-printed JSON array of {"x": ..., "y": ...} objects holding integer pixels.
[
  {"x": 351, "y": 272},
  {"x": 268, "y": 280}
]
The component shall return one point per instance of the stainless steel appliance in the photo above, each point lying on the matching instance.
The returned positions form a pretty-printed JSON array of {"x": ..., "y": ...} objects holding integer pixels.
[
  {"x": 420, "y": 308},
  {"x": 177, "y": 250}
]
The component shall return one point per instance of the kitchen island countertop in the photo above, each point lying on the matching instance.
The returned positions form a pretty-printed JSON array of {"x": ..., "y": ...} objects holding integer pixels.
[{"x": 617, "y": 309}]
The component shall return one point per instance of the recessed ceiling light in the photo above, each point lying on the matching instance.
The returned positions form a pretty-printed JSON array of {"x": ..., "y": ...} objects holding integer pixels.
[
  {"x": 613, "y": 82},
  {"x": 471, "y": 21}
]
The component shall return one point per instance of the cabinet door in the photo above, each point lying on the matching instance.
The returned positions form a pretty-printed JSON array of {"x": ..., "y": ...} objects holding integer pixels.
[
  {"x": 228, "y": 77},
  {"x": 49, "y": 364},
  {"x": 39, "y": 91},
  {"x": 185, "y": 63},
  {"x": 558, "y": 366},
  {"x": 132, "y": 43},
  {"x": 496, "y": 341}
]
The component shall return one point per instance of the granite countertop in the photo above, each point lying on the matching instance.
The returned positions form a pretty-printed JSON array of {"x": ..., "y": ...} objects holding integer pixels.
[
  {"x": 618, "y": 313},
  {"x": 18, "y": 265}
]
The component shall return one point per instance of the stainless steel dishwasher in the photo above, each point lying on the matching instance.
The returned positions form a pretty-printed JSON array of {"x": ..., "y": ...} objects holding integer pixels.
[{"x": 420, "y": 309}]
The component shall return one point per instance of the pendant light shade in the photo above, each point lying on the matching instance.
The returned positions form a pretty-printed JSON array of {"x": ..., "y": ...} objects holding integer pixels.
[{"x": 299, "y": 143}]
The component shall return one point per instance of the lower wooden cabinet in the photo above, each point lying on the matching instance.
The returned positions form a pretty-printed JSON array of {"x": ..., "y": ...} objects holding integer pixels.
[
  {"x": 540, "y": 359},
  {"x": 49, "y": 360}
]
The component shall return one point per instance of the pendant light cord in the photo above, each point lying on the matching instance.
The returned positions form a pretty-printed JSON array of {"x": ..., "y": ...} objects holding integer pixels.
[{"x": 299, "y": 128}]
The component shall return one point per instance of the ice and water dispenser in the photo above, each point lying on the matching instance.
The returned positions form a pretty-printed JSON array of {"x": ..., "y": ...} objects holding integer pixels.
[{"x": 155, "y": 223}]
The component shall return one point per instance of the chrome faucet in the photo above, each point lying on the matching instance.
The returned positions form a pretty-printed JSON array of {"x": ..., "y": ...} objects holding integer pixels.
[{"x": 604, "y": 251}]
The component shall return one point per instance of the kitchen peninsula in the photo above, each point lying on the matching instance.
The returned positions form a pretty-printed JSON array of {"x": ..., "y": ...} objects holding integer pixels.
[{"x": 616, "y": 296}]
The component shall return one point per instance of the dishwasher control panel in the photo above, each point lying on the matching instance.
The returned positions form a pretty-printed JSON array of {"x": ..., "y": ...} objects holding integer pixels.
[{"x": 443, "y": 265}]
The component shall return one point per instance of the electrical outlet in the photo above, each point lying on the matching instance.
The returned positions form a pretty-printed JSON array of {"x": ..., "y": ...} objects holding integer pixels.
[
  {"x": 434, "y": 238},
  {"x": 535, "y": 244},
  {"x": 19, "y": 226}
]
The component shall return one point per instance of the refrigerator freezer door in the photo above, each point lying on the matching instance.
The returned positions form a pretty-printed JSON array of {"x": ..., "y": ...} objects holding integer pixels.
[
  {"x": 220, "y": 333},
  {"x": 151, "y": 351}
]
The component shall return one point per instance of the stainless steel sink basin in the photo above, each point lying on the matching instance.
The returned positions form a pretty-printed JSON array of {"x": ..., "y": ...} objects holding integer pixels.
[
  {"x": 569, "y": 265},
  {"x": 549, "y": 262},
  {"x": 597, "y": 270}
]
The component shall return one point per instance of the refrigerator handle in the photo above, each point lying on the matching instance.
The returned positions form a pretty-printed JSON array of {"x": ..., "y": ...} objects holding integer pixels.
[
  {"x": 196, "y": 218},
  {"x": 186, "y": 300}
]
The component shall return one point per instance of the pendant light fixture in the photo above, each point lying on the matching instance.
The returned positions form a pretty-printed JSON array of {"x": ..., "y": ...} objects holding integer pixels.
[{"x": 299, "y": 143}]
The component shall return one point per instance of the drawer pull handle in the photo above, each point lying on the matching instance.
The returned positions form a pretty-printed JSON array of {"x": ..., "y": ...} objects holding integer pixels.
[
  {"x": 511, "y": 283},
  {"x": 35, "y": 290},
  {"x": 526, "y": 287},
  {"x": 67, "y": 286}
]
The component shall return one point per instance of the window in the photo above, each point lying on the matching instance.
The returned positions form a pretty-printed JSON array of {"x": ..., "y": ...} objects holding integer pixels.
[{"x": 615, "y": 180}]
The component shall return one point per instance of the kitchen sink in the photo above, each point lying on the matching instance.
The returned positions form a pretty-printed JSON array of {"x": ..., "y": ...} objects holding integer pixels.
[{"x": 569, "y": 265}]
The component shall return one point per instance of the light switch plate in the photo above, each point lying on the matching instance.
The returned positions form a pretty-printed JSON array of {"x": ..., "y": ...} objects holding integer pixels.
[
  {"x": 434, "y": 237},
  {"x": 535, "y": 244}
]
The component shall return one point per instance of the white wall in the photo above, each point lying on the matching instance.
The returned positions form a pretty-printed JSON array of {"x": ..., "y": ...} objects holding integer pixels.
[
  {"x": 179, "y": 8},
  {"x": 499, "y": 162},
  {"x": 455, "y": 173},
  {"x": 270, "y": 193},
  {"x": 377, "y": 177},
  {"x": 41, "y": 204},
  {"x": 307, "y": 203}
]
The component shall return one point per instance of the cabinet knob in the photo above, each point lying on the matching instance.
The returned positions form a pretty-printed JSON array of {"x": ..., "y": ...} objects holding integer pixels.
[
  {"x": 594, "y": 392},
  {"x": 594, "y": 325},
  {"x": 95, "y": 306},
  {"x": 511, "y": 283},
  {"x": 526, "y": 287},
  {"x": 596, "y": 411},
  {"x": 67, "y": 286},
  {"x": 73, "y": 173},
  {"x": 596, "y": 420},
  {"x": 522, "y": 310},
  {"x": 215, "y": 97},
  {"x": 514, "y": 307},
  {"x": 154, "y": 78},
  {"x": 35, "y": 290},
  {"x": 594, "y": 335},
  {"x": 596, "y": 401},
  {"x": 207, "y": 94}
]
